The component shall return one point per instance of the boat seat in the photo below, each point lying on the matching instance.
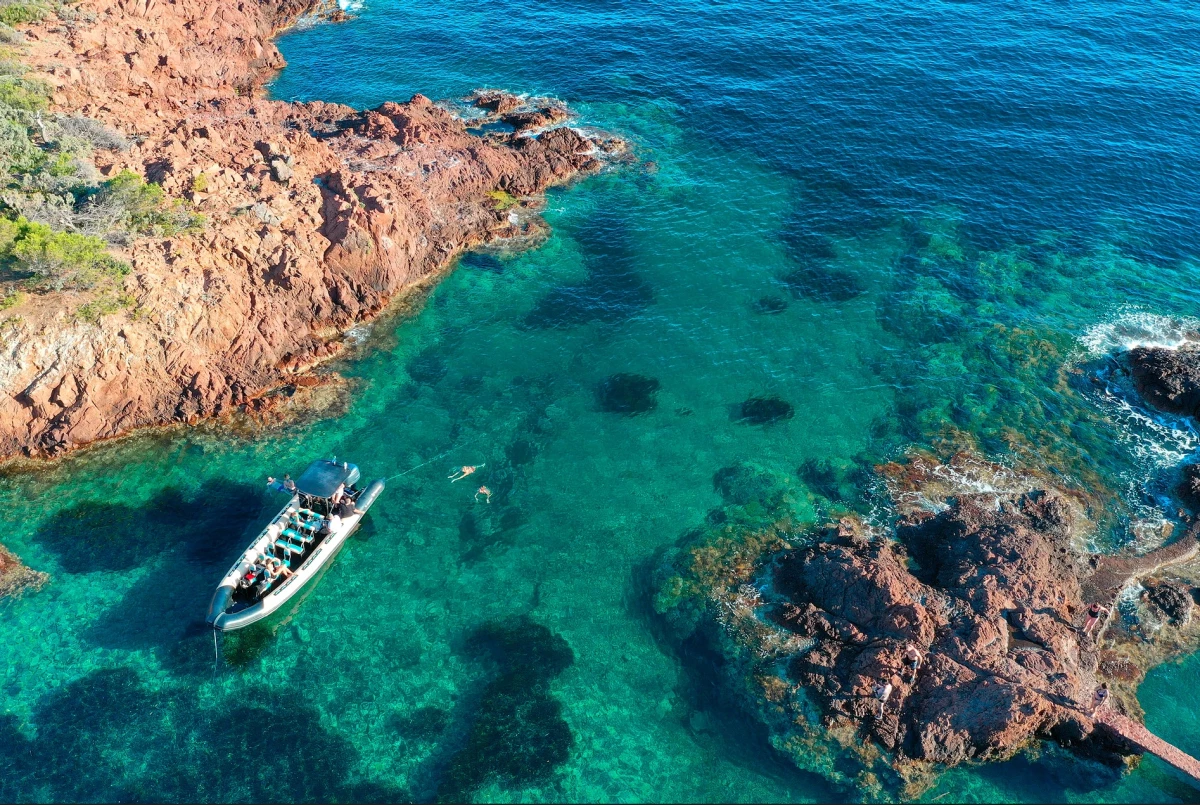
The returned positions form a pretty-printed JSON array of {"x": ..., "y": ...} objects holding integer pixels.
[
  {"x": 289, "y": 547},
  {"x": 297, "y": 536}
]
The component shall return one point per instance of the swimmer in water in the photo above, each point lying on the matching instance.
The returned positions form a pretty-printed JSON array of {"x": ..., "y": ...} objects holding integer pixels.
[
  {"x": 463, "y": 472},
  {"x": 487, "y": 493}
]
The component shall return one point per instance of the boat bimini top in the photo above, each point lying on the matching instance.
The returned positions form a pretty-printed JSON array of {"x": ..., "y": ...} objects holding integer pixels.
[{"x": 322, "y": 478}]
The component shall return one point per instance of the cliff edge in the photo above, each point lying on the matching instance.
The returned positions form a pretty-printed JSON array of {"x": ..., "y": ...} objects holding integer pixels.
[{"x": 316, "y": 216}]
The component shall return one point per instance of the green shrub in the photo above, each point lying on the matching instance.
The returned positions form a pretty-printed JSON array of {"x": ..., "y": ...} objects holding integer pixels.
[
  {"x": 11, "y": 299},
  {"x": 144, "y": 208},
  {"x": 104, "y": 305},
  {"x": 504, "y": 200},
  {"x": 17, "y": 13},
  {"x": 26, "y": 94},
  {"x": 57, "y": 260}
]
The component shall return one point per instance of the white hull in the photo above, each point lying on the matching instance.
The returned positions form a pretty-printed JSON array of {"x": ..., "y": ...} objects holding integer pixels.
[{"x": 226, "y": 613}]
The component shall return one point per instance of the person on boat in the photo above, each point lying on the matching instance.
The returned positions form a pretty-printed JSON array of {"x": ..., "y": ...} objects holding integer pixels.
[
  {"x": 1099, "y": 698},
  {"x": 286, "y": 485},
  {"x": 346, "y": 508},
  {"x": 1093, "y": 617},
  {"x": 483, "y": 490},
  {"x": 277, "y": 568},
  {"x": 883, "y": 692},
  {"x": 332, "y": 523},
  {"x": 463, "y": 472},
  {"x": 912, "y": 658},
  {"x": 338, "y": 494},
  {"x": 274, "y": 570}
]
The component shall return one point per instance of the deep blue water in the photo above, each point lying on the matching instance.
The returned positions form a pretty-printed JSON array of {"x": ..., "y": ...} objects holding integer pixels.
[{"x": 944, "y": 204}]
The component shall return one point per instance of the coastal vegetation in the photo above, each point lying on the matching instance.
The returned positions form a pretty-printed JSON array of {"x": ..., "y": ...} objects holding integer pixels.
[{"x": 60, "y": 217}]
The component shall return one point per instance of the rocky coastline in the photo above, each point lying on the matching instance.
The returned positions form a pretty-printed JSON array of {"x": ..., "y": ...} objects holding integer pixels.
[
  {"x": 317, "y": 216},
  {"x": 991, "y": 587}
]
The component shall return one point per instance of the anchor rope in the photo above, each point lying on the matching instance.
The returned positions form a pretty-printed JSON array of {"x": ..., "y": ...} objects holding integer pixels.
[{"x": 424, "y": 463}]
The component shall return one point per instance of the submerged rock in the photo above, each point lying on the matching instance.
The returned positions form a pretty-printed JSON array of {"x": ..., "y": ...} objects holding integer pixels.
[
  {"x": 1189, "y": 486},
  {"x": 769, "y": 305},
  {"x": 1169, "y": 379},
  {"x": 820, "y": 283},
  {"x": 765, "y": 410},
  {"x": 15, "y": 578},
  {"x": 518, "y": 737},
  {"x": 742, "y": 484},
  {"x": 1173, "y": 598},
  {"x": 626, "y": 393}
]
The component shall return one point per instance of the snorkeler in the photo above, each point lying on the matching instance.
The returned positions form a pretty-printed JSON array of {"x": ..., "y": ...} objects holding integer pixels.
[
  {"x": 463, "y": 472},
  {"x": 483, "y": 490}
]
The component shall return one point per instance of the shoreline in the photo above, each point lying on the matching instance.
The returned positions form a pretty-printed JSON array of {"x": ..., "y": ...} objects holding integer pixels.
[{"x": 319, "y": 218}]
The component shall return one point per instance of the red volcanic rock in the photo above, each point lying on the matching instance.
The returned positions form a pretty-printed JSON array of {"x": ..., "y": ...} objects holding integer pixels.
[
  {"x": 318, "y": 216},
  {"x": 536, "y": 118},
  {"x": 497, "y": 102},
  {"x": 1169, "y": 379},
  {"x": 990, "y": 604}
]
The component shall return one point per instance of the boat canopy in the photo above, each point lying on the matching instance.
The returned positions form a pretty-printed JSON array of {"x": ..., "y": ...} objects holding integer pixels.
[{"x": 322, "y": 478}]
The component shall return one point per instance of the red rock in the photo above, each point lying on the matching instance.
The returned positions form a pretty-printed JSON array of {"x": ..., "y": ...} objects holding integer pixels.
[{"x": 374, "y": 202}]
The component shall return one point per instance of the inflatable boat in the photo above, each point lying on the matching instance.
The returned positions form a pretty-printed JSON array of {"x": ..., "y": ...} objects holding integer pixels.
[{"x": 325, "y": 508}]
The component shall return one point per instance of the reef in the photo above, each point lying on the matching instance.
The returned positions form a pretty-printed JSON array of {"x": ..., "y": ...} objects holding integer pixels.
[
  {"x": 989, "y": 581},
  {"x": 316, "y": 217}
]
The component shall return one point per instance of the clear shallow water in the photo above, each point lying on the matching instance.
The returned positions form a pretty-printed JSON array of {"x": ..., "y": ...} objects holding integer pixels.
[{"x": 952, "y": 201}]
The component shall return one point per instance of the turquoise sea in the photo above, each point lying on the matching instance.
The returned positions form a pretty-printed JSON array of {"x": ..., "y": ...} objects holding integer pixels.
[{"x": 904, "y": 219}]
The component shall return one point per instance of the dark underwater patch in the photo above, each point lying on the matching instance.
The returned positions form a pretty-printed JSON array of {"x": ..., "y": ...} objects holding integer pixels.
[
  {"x": 521, "y": 452},
  {"x": 628, "y": 394},
  {"x": 105, "y": 737},
  {"x": 764, "y": 410},
  {"x": 742, "y": 483},
  {"x": 837, "y": 481},
  {"x": 820, "y": 283},
  {"x": 243, "y": 646},
  {"x": 517, "y": 737},
  {"x": 97, "y": 535},
  {"x": 610, "y": 294},
  {"x": 428, "y": 367},
  {"x": 769, "y": 305},
  {"x": 483, "y": 262},
  {"x": 613, "y": 291}
]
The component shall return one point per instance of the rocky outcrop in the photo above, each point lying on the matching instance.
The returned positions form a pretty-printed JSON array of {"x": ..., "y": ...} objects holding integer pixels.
[
  {"x": 990, "y": 604},
  {"x": 318, "y": 216},
  {"x": 987, "y": 586},
  {"x": 1168, "y": 378}
]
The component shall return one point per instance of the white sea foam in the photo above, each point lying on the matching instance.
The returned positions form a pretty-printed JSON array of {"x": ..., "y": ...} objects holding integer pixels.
[{"x": 1134, "y": 327}]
